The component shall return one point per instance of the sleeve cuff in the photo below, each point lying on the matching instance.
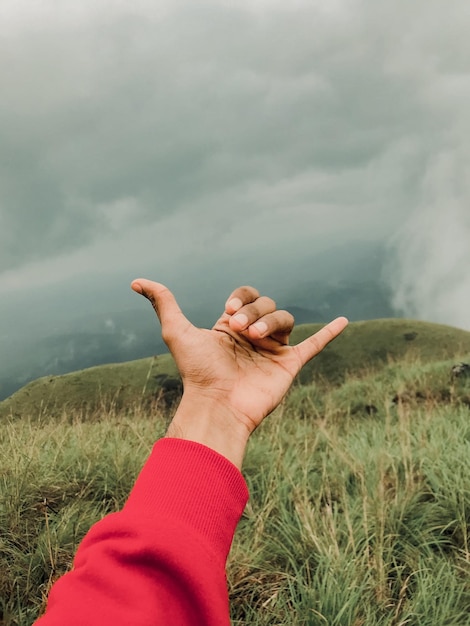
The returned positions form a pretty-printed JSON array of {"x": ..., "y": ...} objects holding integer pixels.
[{"x": 192, "y": 484}]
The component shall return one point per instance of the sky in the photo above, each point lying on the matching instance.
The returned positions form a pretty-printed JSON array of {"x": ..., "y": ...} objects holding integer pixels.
[{"x": 210, "y": 144}]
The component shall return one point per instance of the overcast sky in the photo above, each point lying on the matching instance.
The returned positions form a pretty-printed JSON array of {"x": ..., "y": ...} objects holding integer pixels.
[{"x": 199, "y": 143}]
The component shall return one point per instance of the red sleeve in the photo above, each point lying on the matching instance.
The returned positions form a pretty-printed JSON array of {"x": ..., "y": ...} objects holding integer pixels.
[{"x": 161, "y": 560}]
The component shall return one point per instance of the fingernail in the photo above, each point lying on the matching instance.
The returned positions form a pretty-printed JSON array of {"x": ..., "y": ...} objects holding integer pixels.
[
  {"x": 242, "y": 319},
  {"x": 235, "y": 304},
  {"x": 261, "y": 327},
  {"x": 137, "y": 288}
]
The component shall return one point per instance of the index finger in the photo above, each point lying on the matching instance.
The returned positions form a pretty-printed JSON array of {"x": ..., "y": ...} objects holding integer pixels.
[
  {"x": 313, "y": 345},
  {"x": 240, "y": 297}
]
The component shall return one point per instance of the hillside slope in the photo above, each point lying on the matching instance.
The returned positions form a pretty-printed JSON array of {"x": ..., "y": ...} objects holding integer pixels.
[{"x": 364, "y": 346}]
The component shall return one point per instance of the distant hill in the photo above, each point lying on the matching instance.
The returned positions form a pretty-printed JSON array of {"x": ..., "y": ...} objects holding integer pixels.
[
  {"x": 364, "y": 346},
  {"x": 62, "y": 340},
  {"x": 95, "y": 340},
  {"x": 367, "y": 345}
]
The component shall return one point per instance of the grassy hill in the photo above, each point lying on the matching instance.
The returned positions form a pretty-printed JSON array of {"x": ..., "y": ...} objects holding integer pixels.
[{"x": 362, "y": 347}]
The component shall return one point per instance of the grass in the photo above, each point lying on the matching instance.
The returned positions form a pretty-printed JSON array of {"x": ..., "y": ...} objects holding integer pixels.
[
  {"x": 57, "y": 477},
  {"x": 97, "y": 389},
  {"x": 357, "y": 516},
  {"x": 357, "y": 521}
]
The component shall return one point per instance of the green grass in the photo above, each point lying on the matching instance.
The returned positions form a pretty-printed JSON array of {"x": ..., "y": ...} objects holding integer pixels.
[
  {"x": 357, "y": 522},
  {"x": 103, "y": 388},
  {"x": 364, "y": 346},
  {"x": 57, "y": 477},
  {"x": 356, "y": 517}
]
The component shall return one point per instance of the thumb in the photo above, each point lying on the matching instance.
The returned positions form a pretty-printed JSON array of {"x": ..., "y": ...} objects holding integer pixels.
[{"x": 172, "y": 318}]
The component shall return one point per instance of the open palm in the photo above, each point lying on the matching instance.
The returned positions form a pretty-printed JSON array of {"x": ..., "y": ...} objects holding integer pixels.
[{"x": 244, "y": 365}]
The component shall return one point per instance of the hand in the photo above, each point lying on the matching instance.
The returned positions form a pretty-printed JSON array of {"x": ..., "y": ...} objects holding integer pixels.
[{"x": 237, "y": 373}]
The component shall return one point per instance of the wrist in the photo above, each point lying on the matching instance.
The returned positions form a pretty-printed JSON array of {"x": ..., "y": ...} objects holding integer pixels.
[{"x": 209, "y": 422}]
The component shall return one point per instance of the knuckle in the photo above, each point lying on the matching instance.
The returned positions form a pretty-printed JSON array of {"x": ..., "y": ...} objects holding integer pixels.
[
  {"x": 260, "y": 307},
  {"x": 247, "y": 293},
  {"x": 290, "y": 319},
  {"x": 267, "y": 302},
  {"x": 286, "y": 317}
]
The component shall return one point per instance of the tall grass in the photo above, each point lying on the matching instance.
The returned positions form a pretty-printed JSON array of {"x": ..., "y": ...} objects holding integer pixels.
[
  {"x": 58, "y": 477},
  {"x": 357, "y": 516}
]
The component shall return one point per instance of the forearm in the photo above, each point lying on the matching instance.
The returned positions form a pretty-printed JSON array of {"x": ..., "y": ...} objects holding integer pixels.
[{"x": 161, "y": 560}]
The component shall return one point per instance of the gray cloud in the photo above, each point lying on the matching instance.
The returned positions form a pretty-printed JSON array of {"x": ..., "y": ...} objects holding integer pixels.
[
  {"x": 187, "y": 139},
  {"x": 161, "y": 113}
]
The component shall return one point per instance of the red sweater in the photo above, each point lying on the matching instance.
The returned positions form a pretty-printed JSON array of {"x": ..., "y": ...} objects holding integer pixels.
[{"x": 161, "y": 560}]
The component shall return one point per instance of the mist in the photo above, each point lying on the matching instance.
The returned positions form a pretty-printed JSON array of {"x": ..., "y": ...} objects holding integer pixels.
[{"x": 428, "y": 268}]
